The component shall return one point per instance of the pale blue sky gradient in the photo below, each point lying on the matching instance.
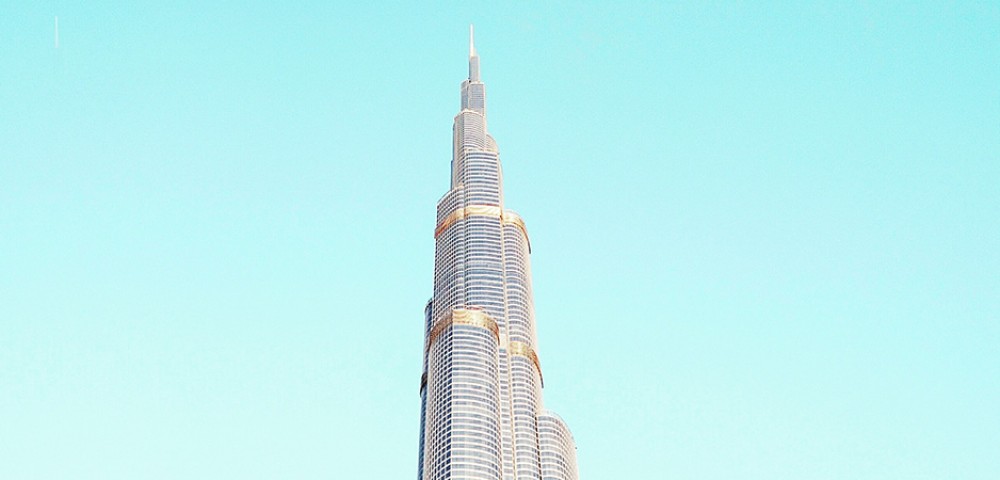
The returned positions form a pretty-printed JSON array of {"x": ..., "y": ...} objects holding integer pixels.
[{"x": 766, "y": 238}]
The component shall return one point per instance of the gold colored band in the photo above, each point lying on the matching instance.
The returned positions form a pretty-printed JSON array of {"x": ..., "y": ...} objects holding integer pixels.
[
  {"x": 525, "y": 350},
  {"x": 462, "y": 316},
  {"x": 512, "y": 218},
  {"x": 461, "y": 213}
]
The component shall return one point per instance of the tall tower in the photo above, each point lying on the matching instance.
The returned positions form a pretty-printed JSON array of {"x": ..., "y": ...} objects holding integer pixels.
[{"x": 481, "y": 414}]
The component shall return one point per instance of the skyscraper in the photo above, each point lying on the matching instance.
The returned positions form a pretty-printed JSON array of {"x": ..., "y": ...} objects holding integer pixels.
[{"x": 481, "y": 414}]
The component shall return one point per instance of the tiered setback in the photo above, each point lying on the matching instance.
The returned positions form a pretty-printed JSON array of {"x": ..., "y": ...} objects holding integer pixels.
[{"x": 482, "y": 416}]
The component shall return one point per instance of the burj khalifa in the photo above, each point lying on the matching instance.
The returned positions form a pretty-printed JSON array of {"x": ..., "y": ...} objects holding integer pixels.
[{"x": 482, "y": 416}]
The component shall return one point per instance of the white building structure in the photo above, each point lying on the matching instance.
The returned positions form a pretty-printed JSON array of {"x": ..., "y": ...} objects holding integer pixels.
[{"x": 482, "y": 416}]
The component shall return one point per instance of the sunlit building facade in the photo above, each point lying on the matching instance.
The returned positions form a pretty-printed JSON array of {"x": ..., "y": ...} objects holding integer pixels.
[{"x": 482, "y": 416}]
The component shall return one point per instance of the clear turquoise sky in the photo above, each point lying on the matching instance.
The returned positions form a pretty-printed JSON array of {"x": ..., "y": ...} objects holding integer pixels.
[{"x": 766, "y": 238}]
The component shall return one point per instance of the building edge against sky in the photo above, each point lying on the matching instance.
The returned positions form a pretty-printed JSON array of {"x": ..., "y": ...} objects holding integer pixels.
[{"x": 481, "y": 410}]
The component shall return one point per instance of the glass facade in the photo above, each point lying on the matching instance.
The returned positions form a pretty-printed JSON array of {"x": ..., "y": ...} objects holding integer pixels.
[{"x": 481, "y": 415}]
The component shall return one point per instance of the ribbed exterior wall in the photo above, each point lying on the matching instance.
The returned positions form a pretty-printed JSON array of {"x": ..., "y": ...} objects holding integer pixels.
[
  {"x": 462, "y": 421},
  {"x": 481, "y": 392},
  {"x": 428, "y": 318},
  {"x": 558, "y": 451}
]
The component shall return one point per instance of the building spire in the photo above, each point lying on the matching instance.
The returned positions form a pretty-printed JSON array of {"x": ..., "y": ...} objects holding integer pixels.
[
  {"x": 473, "y": 57},
  {"x": 472, "y": 42}
]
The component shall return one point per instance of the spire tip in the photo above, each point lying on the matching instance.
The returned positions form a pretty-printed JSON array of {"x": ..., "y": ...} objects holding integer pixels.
[{"x": 472, "y": 41}]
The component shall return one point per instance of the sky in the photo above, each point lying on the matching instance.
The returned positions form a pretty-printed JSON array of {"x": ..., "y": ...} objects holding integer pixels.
[{"x": 766, "y": 235}]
